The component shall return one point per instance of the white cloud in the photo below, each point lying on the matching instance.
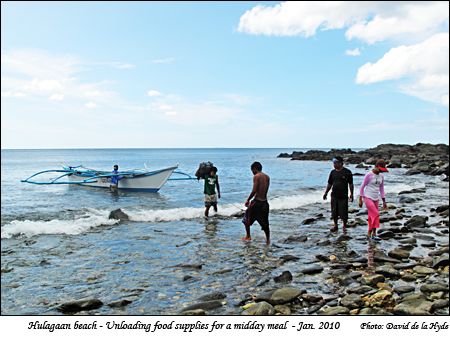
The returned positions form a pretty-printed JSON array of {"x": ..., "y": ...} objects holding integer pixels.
[
  {"x": 90, "y": 105},
  {"x": 369, "y": 21},
  {"x": 12, "y": 94},
  {"x": 425, "y": 65},
  {"x": 153, "y": 93},
  {"x": 353, "y": 52},
  {"x": 164, "y": 60},
  {"x": 56, "y": 97}
]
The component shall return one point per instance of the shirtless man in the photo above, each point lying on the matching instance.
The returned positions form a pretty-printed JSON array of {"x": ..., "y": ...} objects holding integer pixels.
[{"x": 258, "y": 208}]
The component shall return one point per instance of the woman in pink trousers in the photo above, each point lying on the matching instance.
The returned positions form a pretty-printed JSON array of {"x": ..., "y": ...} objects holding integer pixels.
[{"x": 371, "y": 190}]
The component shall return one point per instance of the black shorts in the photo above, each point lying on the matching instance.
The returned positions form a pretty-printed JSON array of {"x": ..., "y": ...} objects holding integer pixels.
[
  {"x": 257, "y": 211},
  {"x": 339, "y": 208}
]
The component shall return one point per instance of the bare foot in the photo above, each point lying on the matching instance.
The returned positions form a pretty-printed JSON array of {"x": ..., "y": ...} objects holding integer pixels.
[
  {"x": 334, "y": 228},
  {"x": 246, "y": 238}
]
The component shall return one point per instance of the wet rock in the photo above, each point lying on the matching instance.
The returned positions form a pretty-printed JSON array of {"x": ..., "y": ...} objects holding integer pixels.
[
  {"x": 285, "y": 277},
  {"x": 438, "y": 252},
  {"x": 286, "y": 258},
  {"x": 324, "y": 243},
  {"x": 119, "y": 304},
  {"x": 312, "y": 298},
  {"x": 187, "y": 277},
  {"x": 352, "y": 301},
  {"x": 423, "y": 270},
  {"x": 339, "y": 310},
  {"x": 322, "y": 258},
  {"x": 285, "y": 295},
  {"x": 80, "y": 305},
  {"x": 344, "y": 237},
  {"x": 404, "y": 199},
  {"x": 355, "y": 274},
  {"x": 417, "y": 221},
  {"x": 379, "y": 299},
  {"x": 213, "y": 296},
  {"x": 360, "y": 289},
  {"x": 413, "y": 307},
  {"x": 314, "y": 269},
  {"x": 429, "y": 244},
  {"x": 441, "y": 261},
  {"x": 442, "y": 208},
  {"x": 296, "y": 238},
  {"x": 260, "y": 308},
  {"x": 118, "y": 214},
  {"x": 409, "y": 277},
  {"x": 434, "y": 288},
  {"x": 195, "y": 312},
  {"x": 372, "y": 280},
  {"x": 439, "y": 304},
  {"x": 408, "y": 241},
  {"x": 283, "y": 310},
  {"x": 190, "y": 266},
  {"x": 309, "y": 221},
  {"x": 208, "y": 305},
  {"x": 400, "y": 266},
  {"x": 399, "y": 254},
  {"x": 7, "y": 270},
  {"x": 381, "y": 257},
  {"x": 404, "y": 289},
  {"x": 387, "y": 271}
]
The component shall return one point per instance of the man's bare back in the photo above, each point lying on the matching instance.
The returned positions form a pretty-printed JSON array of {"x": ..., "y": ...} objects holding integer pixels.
[{"x": 261, "y": 183}]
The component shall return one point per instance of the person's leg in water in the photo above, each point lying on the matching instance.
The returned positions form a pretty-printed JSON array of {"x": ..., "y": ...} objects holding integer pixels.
[
  {"x": 267, "y": 232},
  {"x": 334, "y": 214},
  {"x": 207, "y": 210},
  {"x": 247, "y": 236},
  {"x": 215, "y": 207}
]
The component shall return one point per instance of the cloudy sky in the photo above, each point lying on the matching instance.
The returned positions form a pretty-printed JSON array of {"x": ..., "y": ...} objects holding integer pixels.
[{"x": 215, "y": 74}]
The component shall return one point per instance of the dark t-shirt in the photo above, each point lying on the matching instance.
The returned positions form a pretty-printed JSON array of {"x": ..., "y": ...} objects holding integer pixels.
[{"x": 340, "y": 180}]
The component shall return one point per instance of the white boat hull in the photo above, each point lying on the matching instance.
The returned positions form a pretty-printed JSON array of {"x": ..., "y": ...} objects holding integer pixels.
[{"x": 149, "y": 182}]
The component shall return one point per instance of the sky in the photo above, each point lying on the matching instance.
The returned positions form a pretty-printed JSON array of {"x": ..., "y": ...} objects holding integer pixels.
[{"x": 223, "y": 74}]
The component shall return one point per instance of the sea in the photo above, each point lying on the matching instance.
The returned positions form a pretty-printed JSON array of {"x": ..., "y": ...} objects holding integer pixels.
[{"x": 58, "y": 243}]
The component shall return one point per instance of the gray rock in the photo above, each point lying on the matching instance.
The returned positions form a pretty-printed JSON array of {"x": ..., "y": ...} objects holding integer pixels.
[
  {"x": 417, "y": 221},
  {"x": 439, "y": 304},
  {"x": 408, "y": 241},
  {"x": 119, "y": 304},
  {"x": 400, "y": 266},
  {"x": 352, "y": 301},
  {"x": 399, "y": 254},
  {"x": 195, "y": 312},
  {"x": 372, "y": 280},
  {"x": 387, "y": 271},
  {"x": 314, "y": 269},
  {"x": 286, "y": 258},
  {"x": 386, "y": 234},
  {"x": 208, "y": 305},
  {"x": 309, "y": 221},
  {"x": 118, "y": 214},
  {"x": 80, "y": 305},
  {"x": 360, "y": 289},
  {"x": 334, "y": 311},
  {"x": 213, "y": 296},
  {"x": 283, "y": 310},
  {"x": 260, "y": 309},
  {"x": 381, "y": 257},
  {"x": 296, "y": 238},
  {"x": 413, "y": 307},
  {"x": 423, "y": 270},
  {"x": 434, "y": 288},
  {"x": 285, "y": 277},
  {"x": 312, "y": 298},
  {"x": 442, "y": 208},
  {"x": 404, "y": 289},
  {"x": 441, "y": 261},
  {"x": 404, "y": 199},
  {"x": 284, "y": 295}
]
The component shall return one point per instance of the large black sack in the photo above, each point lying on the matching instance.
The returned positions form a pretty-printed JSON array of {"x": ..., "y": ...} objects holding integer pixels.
[{"x": 203, "y": 170}]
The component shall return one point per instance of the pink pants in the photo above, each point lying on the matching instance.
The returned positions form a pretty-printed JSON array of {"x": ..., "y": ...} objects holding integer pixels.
[{"x": 374, "y": 213}]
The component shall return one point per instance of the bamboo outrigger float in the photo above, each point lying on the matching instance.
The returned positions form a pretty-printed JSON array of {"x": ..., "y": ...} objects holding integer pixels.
[{"x": 141, "y": 180}]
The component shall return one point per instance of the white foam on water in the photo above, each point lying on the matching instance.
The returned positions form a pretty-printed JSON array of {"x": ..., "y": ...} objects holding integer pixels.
[
  {"x": 91, "y": 219},
  {"x": 400, "y": 187},
  {"x": 189, "y": 213}
]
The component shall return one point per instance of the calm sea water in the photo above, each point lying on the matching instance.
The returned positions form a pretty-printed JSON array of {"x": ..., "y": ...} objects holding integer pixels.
[{"x": 59, "y": 245}]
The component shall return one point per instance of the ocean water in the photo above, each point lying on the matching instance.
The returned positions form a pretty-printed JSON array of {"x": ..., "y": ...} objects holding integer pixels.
[{"x": 59, "y": 245}]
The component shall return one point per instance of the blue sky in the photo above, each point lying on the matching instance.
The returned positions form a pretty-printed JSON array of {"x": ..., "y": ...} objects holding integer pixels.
[{"x": 215, "y": 74}]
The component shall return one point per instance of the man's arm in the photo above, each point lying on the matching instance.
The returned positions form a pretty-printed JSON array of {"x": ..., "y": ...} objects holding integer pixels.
[
  {"x": 255, "y": 185},
  {"x": 351, "y": 192},
  {"x": 218, "y": 186},
  {"x": 326, "y": 191}
]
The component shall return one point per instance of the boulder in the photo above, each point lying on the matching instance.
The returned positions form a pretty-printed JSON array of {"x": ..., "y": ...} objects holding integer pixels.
[
  {"x": 260, "y": 309},
  {"x": 80, "y": 305},
  {"x": 118, "y": 214}
]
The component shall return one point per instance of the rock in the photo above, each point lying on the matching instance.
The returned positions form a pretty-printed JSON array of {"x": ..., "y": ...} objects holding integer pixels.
[
  {"x": 413, "y": 307},
  {"x": 187, "y": 277},
  {"x": 442, "y": 208},
  {"x": 313, "y": 269},
  {"x": 403, "y": 199},
  {"x": 404, "y": 289},
  {"x": 312, "y": 298},
  {"x": 417, "y": 221},
  {"x": 195, "y": 312},
  {"x": 400, "y": 266},
  {"x": 412, "y": 171},
  {"x": 360, "y": 289},
  {"x": 308, "y": 221},
  {"x": 408, "y": 241},
  {"x": 429, "y": 244},
  {"x": 380, "y": 298},
  {"x": 387, "y": 271},
  {"x": 423, "y": 270},
  {"x": 80, "y": 305},
  {"x": 260, "y": 308},
  {"x": 208, "y": 305},
  {"x": 441, "y": 261},
  {"x": 285, "y": 276},
  {"x": 434, "y": 288},
  {"x": 352, "y": 301},
  {"x": 213, "y": 296},
  {"x": 355, "y": 274},
  {"x": 119, "y": 304},
  {"x": 118, "y": 214},
  {"x": 439, "y": 304},
  {"x": 313, "y": 308},
  {"x": 282, "y": 309},
  {"x": 372, "y": 280},
  {"x": 409, "y": 277},
  {"x": 190, "y": 266},
  {"x": 381, "y": 257},
  {"x": 334, "y": 311},
  {"x": 296, "y": 238},
  {"x": 284, "y": 295},
  {"x": 399, "y": 254},
  {"x": 286, "y": 258}
]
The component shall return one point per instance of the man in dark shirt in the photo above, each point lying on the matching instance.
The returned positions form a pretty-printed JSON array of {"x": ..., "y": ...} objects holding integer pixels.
[{"x": 340, "y": 179}]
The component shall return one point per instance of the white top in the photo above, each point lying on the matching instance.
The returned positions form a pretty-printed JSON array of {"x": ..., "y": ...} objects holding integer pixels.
[{"x": 372, "y": 186}]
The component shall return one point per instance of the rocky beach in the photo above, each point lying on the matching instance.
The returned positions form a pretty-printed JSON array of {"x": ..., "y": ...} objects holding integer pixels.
[{"x": 167, "y": 264}]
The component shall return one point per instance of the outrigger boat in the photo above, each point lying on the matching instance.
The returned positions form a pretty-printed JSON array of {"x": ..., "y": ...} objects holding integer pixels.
[{"x": 141, "y": 180}]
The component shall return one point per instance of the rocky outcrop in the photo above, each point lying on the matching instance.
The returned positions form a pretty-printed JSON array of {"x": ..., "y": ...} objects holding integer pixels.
[{"x": 420, "y": 158}]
